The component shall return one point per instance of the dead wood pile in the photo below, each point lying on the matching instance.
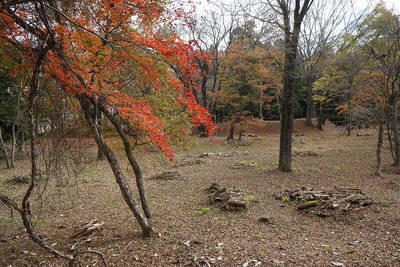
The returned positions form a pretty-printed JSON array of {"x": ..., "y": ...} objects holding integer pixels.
[
  {"x": 306, "y": 154},
  {"x": 339, "y": 200},
  {"x": 226, "y": 200},
  {"x": 85, "y": 232},
  {"x": 167, "y": 176},
  {"x": 234, "y": 142}
]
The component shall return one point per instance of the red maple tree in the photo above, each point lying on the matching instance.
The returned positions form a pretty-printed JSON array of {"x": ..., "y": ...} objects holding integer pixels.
[{"x": 107, "y": 54}]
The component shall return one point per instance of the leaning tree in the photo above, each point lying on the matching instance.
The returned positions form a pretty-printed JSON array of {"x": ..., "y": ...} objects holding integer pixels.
[{"x": 106, "y": 54}]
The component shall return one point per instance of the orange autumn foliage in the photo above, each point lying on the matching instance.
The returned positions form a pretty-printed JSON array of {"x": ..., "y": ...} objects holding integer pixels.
[{"x": 112, "y": 51}]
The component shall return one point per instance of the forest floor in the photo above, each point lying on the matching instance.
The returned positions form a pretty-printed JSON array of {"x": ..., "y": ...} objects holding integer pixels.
[{"x": 193, "y": 231}]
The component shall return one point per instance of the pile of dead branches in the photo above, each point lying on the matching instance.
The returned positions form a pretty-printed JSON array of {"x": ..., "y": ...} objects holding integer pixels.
[
  {"x": 232, "y": 200},
  {"x": 339, "y": 200},
  {"x": 85, "y": 232},
  {"x": 168, "y": 176}
]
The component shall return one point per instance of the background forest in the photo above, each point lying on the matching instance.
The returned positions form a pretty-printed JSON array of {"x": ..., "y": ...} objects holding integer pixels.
[{"x": 123, "y": 79}]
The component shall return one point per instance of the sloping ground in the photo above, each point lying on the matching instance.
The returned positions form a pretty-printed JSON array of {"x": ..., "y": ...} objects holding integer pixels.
[
  {"x": 193, "y": 232},
  {"x": 265, "y": 128}
]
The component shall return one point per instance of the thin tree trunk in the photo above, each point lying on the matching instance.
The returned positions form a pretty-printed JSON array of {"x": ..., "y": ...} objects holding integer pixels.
[
  {"x": 349, "y": 123},
  {"x": 132, "y": 161},
  {"x": 125, "y": 189},
  {"x": 321, "y": 118},
  {"x": 212, "y": 105},
  {"x": 25, "y": 211},
  {"x": 396, "y": 138},
  {"x": 5, "y": 152},
  {"x": 241, "y": 131},
  {"x": 98, "y": 117},
  {"x": 389, "y": 133},
  {"x": 310, "y": 103},
  {"x": 14, "y": 132},
  {"x": 13, "y": 146},
  {"x": 379, "y": 150}
]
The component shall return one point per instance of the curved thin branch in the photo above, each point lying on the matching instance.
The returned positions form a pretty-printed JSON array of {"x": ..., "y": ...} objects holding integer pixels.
[
  {"x": 72, "y": 262},
  {"x": 9, "y": 203}
]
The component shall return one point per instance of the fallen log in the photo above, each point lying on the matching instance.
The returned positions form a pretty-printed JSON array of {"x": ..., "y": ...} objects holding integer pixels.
[
  {"x": 236, "y": 203},
  {"x": 307, "y": 205}
]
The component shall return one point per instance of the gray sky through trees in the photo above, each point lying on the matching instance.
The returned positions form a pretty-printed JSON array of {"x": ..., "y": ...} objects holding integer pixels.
[{"x": 204, "y": 5}]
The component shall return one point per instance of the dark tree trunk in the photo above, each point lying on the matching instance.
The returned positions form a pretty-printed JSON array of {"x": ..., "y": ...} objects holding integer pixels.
[
  {"x": 202, "y": 130},
  {"x": 349, "y": 122},
  {"x": 310, "y": 111},
  {"x": 389, "y": 133},
  {"x": 287, "y": 109},
  {"x": 286, "y": 130},
  {"x": 98, "y": 118},
  {"x": 241, "y": 131},
  {"x": 321, "y": 119},
  {"x": 212, "y": 105},
  {"x": 379, "y": 149},
  {"x": 395, "y": 130}
]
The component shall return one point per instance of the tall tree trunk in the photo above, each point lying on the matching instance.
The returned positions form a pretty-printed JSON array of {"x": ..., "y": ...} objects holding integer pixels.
[
  {"x": 287, "y": 109},
  {"x": 379, "y": 149},
  {"x": 286, "y": 128},
  {"x": 125, "y": 189}
]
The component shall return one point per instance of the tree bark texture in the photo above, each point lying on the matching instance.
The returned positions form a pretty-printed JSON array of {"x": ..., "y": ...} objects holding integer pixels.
[
  {"x": 132, "y": 161},
  {"x": 125, "y": 189},
  {"x": 287, "y": 108}
]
